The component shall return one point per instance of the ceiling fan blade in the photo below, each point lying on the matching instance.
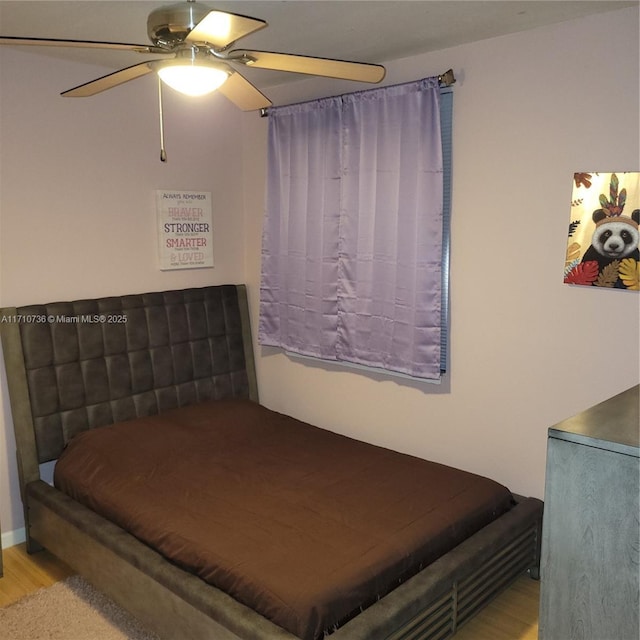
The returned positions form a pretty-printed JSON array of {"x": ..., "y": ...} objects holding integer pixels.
[
  {"x": 360, "y": 71},
  {"x": 243, "y": 94},
  {"x": 220, "y": 29},
  {"x": 82, "y": 44},
  {"x": 109, "y": 81}
]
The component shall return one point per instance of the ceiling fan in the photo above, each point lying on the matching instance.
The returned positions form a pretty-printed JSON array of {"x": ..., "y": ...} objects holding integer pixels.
[{"x": 198, "y": 41}]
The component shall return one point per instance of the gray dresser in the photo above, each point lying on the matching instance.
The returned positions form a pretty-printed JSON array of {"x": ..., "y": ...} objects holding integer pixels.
[{"x": 591, "y": 531}]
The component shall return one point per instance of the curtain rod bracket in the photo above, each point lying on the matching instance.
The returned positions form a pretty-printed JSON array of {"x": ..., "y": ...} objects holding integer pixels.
[{"x": 447, "y": 78}]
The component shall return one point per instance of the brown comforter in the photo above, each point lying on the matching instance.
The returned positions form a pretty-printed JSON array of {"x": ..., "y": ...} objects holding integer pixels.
[{"x": 303, "y": 525}]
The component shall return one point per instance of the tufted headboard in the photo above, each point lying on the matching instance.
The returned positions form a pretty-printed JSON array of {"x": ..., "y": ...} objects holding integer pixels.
[{"x": 73, "y": 366}]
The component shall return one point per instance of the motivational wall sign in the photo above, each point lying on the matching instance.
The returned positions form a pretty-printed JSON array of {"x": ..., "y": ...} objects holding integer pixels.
[{"x": 185, "y": 229}]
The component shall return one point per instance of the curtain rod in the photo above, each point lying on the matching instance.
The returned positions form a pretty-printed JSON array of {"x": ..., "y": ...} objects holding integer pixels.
[{"x": 445, "y": 79}]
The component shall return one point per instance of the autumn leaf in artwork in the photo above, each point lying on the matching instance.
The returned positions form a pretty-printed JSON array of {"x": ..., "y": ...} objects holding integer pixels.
[
  {"x": 608, "y": 276},
  {"x": 629, "y": 271},
  {"x": 582, "y": 178},
  {"x": 583, "y": 273},
  {"x": 573, "y": 253}
]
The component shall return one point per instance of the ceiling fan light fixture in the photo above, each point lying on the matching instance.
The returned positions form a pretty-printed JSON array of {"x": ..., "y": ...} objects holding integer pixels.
[{"x": 192, "y": 76}]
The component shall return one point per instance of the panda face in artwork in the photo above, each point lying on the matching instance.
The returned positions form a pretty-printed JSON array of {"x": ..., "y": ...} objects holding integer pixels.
[
  {"x": 615, "y": 240},
  {"x": 616, "y": 237}
]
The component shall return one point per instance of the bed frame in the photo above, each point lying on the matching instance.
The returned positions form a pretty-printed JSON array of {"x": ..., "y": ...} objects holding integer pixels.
[{"x": 79, "y": 365}]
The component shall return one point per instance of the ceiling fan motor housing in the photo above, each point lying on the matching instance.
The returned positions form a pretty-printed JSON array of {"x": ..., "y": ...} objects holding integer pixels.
[{"x": 168, "y": 26}]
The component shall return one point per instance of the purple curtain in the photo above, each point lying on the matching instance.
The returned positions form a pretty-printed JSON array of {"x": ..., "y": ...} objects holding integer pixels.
[{"x": 352, "y": 243}]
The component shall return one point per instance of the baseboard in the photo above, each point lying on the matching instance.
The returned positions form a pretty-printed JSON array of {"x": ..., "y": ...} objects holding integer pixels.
[{"x": 12, "y": 538}]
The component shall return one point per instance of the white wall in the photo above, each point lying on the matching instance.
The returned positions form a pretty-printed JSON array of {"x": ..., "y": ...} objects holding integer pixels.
[
  {"x": 77, "y": 196},
  {"x": 526, "y": 350},
  {"x": 77, "y": 219}
]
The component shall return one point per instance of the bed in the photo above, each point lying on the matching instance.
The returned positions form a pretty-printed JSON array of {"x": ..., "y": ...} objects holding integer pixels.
[{"x": 95, "y": 382}]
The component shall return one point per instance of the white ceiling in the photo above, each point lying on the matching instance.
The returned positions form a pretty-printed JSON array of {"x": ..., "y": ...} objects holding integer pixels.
[{"x": 361, "y": 30}]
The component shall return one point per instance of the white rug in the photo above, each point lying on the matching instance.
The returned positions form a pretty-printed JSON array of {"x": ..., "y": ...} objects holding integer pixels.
[{"x": 69, "y": 610}]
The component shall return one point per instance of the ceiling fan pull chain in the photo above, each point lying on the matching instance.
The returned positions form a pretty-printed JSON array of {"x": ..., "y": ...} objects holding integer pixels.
[{"x": 163, "y": 153}]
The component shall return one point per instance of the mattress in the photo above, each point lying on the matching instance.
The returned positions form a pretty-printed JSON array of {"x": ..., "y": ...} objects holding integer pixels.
[{"x": 305, "y": 526}]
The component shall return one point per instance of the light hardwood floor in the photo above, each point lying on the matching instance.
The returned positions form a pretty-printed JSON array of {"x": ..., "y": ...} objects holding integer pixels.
[
  {"x": 24, "y": 573},
  {"x": 512, "y": 616}
]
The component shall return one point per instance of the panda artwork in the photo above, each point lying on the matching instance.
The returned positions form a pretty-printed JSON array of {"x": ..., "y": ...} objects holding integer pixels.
[
  {"x": 614, "y": 238},
  {"x": 604, "y": 241}
]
